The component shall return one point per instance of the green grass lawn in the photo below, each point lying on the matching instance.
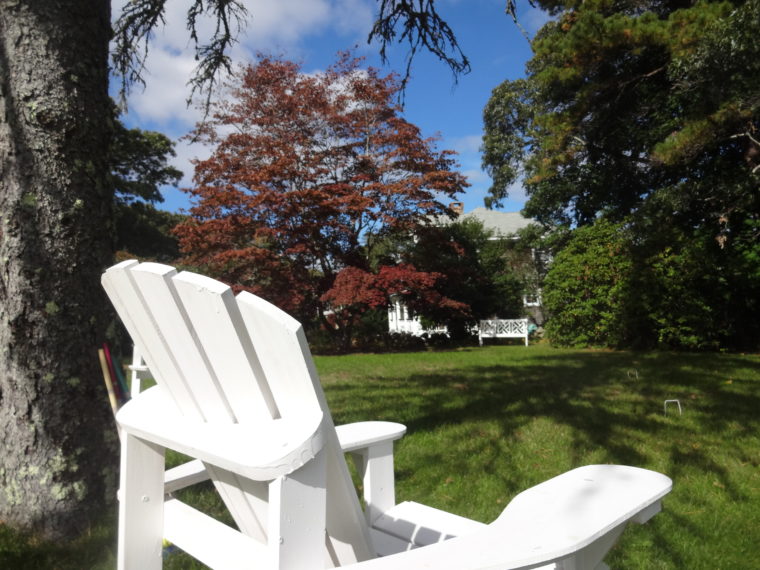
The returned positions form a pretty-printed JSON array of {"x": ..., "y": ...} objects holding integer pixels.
[{"x": 484, "y": 424}]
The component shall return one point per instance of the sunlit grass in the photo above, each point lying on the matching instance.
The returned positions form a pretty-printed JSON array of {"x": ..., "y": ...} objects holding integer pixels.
[
  {"x": 484, "y": 424},
  {"x": 487, "y": 423}
]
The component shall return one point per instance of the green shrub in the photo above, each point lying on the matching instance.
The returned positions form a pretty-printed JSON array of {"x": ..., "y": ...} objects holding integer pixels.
[{"x": 586, "y": 288}]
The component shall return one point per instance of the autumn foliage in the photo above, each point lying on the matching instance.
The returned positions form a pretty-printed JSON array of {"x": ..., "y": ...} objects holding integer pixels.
[{"x": 307, "y": 173}]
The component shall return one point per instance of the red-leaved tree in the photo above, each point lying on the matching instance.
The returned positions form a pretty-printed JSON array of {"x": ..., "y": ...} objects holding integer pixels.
[{"x": 307, "y": 173}]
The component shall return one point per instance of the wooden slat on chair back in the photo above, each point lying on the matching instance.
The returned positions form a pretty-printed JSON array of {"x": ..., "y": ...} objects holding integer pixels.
[
  {"x": 167, "y": 371},
  {"x": 285, "y": 354}
]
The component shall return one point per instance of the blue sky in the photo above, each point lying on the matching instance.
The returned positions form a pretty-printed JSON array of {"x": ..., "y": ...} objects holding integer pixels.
[{"x": 313, "y": 31}]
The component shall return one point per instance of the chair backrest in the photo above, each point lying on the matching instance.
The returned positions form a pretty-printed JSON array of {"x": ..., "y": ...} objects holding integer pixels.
[{"x": 227, "y": 359}]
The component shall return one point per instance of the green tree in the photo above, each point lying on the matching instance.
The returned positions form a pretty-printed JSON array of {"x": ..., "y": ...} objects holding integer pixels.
[
  {"x": 646, "y": 112},
  {"x": 139, "y": 168},
  {"x": 671, "y": 290},
  {"x": 624, "y": 103},
  {"x": 140, "y": 164},
  {"x": 477, "y": 271}
]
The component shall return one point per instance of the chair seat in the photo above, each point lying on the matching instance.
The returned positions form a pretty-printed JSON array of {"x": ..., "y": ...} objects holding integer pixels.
[
  {"x": 420, "y": 525},
  {"x": 288, "y": 443}
]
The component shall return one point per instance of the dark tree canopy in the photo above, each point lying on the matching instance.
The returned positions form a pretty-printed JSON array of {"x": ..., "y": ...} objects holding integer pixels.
[
  {"x": 475, "y": 270},
  {"x": 140, "y": 167},
  {"x": 633, "y": 105},
  {"x": 139, "y": 164},
  {"x": 645, "y": 114}
]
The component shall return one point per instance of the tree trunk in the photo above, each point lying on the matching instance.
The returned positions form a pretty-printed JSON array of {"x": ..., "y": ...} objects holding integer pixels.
[{"x": 57, "y": 450}]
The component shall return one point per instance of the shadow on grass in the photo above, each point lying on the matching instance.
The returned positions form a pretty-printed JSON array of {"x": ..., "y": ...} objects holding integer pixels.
[
  {"x": 95, "y": 550},
  {"x": 580, "y": 407}
]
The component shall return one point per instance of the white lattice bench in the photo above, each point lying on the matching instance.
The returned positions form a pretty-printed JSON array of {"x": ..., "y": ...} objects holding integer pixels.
[{"x": 503, "y": 328}]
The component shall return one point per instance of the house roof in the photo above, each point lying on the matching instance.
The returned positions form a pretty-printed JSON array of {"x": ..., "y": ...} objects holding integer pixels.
[{"x": 502, "y": 224}]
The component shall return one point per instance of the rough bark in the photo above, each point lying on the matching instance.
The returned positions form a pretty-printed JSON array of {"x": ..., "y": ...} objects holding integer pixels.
[{"x": 57, "y": 450}]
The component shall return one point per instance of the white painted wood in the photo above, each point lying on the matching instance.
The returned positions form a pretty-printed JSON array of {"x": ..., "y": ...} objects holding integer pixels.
[
  {"x": 129, "y": 303},
  {"x": 260, "y": 423},
  {"x": 218, "y": 398},
  {"x": 141, "y": 497},
  {"x": 591, "y": 556},
  {"x": 213, "y": 543},
  {"x": 645, "y": 514},
  {"x": 388, "y": 545},
  {"x": 297, "y": 523},
  {"x": 184, "y": 475},
  {"x": 552, "y": 522},
  {"x": 348, "y": 534},
  {"x": 421, "y": 525},
  {"x": 371, "y": 447},
  {"x": 288, "y": 444},
  {"x": 138, "y": 371},
  {"x": 359, "y": 435},
  {"x": 503, "y": 328},
  {"x": 215, "y": 317},
  {"x": 274, "y": 333},
  {"x": 286, "y": 360},
  {"x": 160, "y": 297},
  {"x": 575, "y": 508},
  {"x": 375, "y": 466},
  {"x": 246, "y": 499}
]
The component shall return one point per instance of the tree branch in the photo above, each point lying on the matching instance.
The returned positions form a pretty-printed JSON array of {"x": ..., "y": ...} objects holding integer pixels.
[
  {"x": 135, "y": 26},
  {"x": 421, "y": 26}
]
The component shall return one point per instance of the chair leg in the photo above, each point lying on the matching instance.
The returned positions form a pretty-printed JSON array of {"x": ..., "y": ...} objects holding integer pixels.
[
  {"x": 296, "y": 532},
  {"x": 375, "y": 467},
  {"x": 593, "y": 555},
  {"x": 141, "y": 505}
]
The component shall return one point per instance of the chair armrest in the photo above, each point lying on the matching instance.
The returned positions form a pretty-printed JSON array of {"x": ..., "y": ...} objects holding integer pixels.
[
  {"x": 371, "y": 447},
  {"x": 261, "y": 451},
  {"x": 362, "y": 435},
  {"x": 565, "y": 517}
]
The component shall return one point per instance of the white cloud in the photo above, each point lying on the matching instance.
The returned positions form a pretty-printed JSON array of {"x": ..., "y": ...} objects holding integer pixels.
[
  {"x": 273, "y": 25},
  {"x": 476, "y": 177},
  {"x": 516, "y": 191},
  {"x": 163, "y": 101},
  {"x": 354, "y": 17},
  {"x": 533, "y": 19},
  {"x": 468, "y": 144}
]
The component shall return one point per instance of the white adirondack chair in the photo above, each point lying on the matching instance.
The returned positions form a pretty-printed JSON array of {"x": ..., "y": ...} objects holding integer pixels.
[{"x": 237, "y": 390}]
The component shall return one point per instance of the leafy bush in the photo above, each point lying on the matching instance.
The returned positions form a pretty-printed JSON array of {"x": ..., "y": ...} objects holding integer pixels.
[
  {"x": 400, "y": 341},
  {"x": 673, "y": 290},
  {"x": 586, "y": 288}
]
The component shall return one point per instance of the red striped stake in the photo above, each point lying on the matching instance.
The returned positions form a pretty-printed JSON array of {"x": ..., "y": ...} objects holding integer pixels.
[{"x": 109, "y": 383}]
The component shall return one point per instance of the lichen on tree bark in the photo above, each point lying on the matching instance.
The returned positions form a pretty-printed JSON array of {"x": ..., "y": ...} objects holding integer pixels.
[{"x": 57, "y": 453}]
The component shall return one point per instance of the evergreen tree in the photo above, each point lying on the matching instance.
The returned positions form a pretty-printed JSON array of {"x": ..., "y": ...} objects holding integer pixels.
[{"x": 645, "y": 112}]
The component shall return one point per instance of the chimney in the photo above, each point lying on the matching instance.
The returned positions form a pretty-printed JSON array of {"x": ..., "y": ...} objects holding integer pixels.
[{"x": 457, "y": 207}]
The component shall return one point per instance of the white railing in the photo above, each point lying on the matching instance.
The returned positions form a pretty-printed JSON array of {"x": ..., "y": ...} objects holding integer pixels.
[{"x": 503, "y": 328}]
